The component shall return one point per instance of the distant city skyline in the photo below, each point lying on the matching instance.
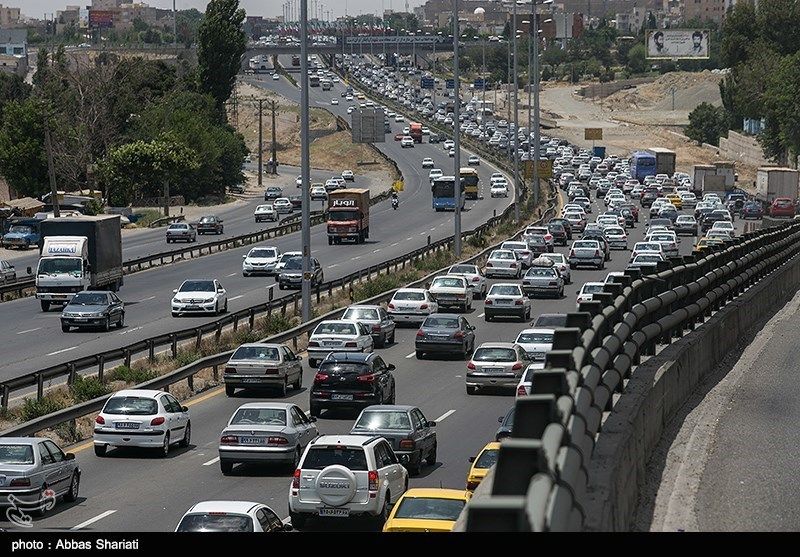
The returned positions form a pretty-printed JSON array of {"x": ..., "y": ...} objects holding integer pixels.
[{"x": 266, "y": 8}]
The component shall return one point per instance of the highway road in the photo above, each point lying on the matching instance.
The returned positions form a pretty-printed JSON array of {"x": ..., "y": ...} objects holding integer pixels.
[
  {"x": 34, "y": 340},
  {"x": 135, "y": 491}
]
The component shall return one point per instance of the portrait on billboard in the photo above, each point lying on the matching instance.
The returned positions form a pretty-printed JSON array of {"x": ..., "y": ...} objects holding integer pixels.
[{"x": 677, "y": 43}]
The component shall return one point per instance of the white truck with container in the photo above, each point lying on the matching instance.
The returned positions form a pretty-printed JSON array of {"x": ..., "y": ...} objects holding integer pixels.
[
  {"x": 76, "y": 254},
  {"x": 772, "y": 182}
]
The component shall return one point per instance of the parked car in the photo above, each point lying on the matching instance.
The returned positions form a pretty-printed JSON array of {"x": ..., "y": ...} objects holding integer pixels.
[
  {"x": 231, "y": 516},
  {"x": 444, "y": 333},
  {"x": 263, "y": 365},
  {"x": 411, "y": 435},
  {"x": 265, "y": 433},
  {"x": 142, "y": 418},
  {"x": 181, "y": 231},
  {"x": 93, "y": 309}
]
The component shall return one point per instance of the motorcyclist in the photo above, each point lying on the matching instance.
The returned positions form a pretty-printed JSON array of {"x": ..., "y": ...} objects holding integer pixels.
[{"x": 395, "y": 200}]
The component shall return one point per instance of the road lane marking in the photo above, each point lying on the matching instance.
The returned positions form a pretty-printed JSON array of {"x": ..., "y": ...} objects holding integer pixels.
[
  {"x": 422, "y": 233},
  {"x": 411, "y": 355},
  {"x": 236, "y": 297},
  {"x": 376, "y": 250},
  {"x": 481, "y": 315},
  {"x": 331, "y": 266},
  {"x": 357, "y": 257},
  {"x": 231, "y": 275},
  {"x": 146, "y": 299},
  {"x": 212, "y": 461},
  {"x": 393, "y": 245},
  {"x": 91, "y": 521},
  {"x": 408, "y": 239},
  {"x": 28, "y": 331},
  {"x": 126, "y": 331},
  {"x": 444, "y": 416},
  {"x": 62, "y": 351}
]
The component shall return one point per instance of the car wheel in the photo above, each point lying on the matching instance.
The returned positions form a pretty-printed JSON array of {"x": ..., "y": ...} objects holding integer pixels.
[
  {"x": 471, "y": 390},
  {"x": 175, "y": 314},
  {"x": 416, "y": 468},
  {"x": 381, "y": 519},
  {"x": 107, "y": 324},
  {"x": 488, "y": 317},
  {"x": 312, "y": 362},
  {"x": 74, "y": 485},
  {"x": 121, "y": 322},
  {"x": 100, "y": 450},
  {"x": 164, "y": 450},
  {"x": 430, "y": 460},
  {"x": 284, "y": 388},
  {"x": 225, "y": 307},
  {"x": 299, "y": 383},
  {"x": 298, "y": 520},
  {"x": 391, "y": 338},
  {"x": 381, "y": 342},
  {"x": 420, "y": 354},
  {"x": 187, "y": 435},
  {"x": 230, "y": 390},
  {"x": 226, "y": 467},
  {"x": 295, "y": 463},
  {"x": 314, "y": 410},
  {"x": 65, "y": 328},
  {"x": 244, "y": 274}
]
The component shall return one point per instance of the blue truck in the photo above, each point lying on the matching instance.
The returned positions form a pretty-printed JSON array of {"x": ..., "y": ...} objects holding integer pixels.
[{"x": 22, "y": 233}]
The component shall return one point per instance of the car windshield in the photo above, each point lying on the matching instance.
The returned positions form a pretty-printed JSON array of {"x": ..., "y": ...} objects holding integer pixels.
[
  {"x": 505, "y": 290},
  {"x": 440, "y": 323},
  {"x": 383, "y": 420},
  {"x": 334, "y": 328},
  {"x": 410, "y": 296},
  {"x": 216, "y": 522},
  {"x": 495, "y": 354},
  {"x": 260, "y": 416},
  {"x": 197, "y": 286},
  {"x": 208, "y": 219},
  {"x": 463, "y": 270},
  {"x": 535, "y": 338},
  {"x": 294, "y": 264},
  {"x": 262, "y": 253},
  {"x": 428, "y": 508},
  {"x": 361, "y": 313},
  {"x": 88, "y": 299},
  {"x": 16, "y": 454},
  {"x": 342, "y": 216},
  {"x": 261, "y": 353},
  {"x": 131, "y": 406},
  {"x": 19, "y": 229},
  {"x": 487, "y": 458},
  {"x": 59, "y": 266},
  {"x": 445, "y": 282},
  {"x": 319, "y": 458}
]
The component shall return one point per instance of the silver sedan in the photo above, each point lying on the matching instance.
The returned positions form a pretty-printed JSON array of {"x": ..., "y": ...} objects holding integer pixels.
[
  {"x": 266, "y": 433},
  {"x": 263, "y": 365}
]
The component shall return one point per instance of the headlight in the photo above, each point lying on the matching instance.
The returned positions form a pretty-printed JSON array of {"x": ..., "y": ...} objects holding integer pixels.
[
  {"x": 208, "y": 300},
  {"x": 176, "y": 301}
]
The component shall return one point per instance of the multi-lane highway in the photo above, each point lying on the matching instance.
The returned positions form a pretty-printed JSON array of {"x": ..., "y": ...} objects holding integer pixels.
[
  {"x": 134, "y": 490},
  {"x": 147, "y": 294}
]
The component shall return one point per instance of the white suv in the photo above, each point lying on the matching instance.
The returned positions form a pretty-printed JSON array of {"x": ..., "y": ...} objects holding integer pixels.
[{"x": 346, "y": 475}]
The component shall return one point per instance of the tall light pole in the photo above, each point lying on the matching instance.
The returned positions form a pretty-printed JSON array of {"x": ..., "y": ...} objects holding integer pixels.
[
  {"x": 174, "y": 27},
  {"x": 305, "y": 162},
  {"x": 536, "y": 116},
  {"x": 456, "y": 134},
  {"x": 483, "y": 76},
  {"x": 516, "y": 120}
]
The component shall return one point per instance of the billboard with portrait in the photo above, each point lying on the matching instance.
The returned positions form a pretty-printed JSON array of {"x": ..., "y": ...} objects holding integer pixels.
[
  {"x": 677, "y": 43},
  {"x": 101, "y": 19}
]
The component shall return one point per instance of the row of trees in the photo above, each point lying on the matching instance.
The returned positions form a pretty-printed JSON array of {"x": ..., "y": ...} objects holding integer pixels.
[{"x": 129, "y": 126}]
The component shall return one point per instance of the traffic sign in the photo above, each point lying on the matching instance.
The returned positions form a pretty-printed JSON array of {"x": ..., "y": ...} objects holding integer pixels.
[
  {"x": 426, "y": 83},
  {"x": 592, "y": 134},
  {"x": 545, "y": 169},
  {"x": 450, "y": 83}
]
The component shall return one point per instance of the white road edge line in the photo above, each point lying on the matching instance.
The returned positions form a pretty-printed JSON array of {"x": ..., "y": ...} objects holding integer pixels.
[
  {"x": 236, "y": 297},
  {"x": 28, "y": 331},
  {"x": 62, "y": 351},
  {"x": 444, "y": 416},
  {"x": 147, "y": 299},
  {"x": 481, "y": 315},
  {"x": 411, "y": 355},
  {"x": 91, "y": 521},
  {"x": 231, "y": 275},
  {"x": 212, "y": 461}
]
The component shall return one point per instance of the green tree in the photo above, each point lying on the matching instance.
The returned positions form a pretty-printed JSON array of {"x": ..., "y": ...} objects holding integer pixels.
[
  {"x": 777, "y": 24},
  {"x": 140, "y": 25},
  {"x": 738, "y": 31},
  {"x": 637, "y": 59},
  {"x": 12, "y": 88},
  {"x": 188, "y": 23},
  {"x": 707, "y": 123},
  {"x": 221, "y": 44},
  {"x": 23, "y": 162},
  {"x": 782, "y": 108}
]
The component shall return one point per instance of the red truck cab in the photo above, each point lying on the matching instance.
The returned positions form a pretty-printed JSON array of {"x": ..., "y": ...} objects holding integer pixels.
[{"x": 348, "y": 215}]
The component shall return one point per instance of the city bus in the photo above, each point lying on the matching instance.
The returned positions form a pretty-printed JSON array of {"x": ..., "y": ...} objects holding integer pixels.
[
  {"x": 443, "y": 194},
  {"x": 642, "y": 164},
  {"x": 469, "y": 178}
]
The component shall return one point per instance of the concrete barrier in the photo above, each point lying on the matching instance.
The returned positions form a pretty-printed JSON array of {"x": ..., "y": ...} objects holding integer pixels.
[{"x": 657, "y": 390}]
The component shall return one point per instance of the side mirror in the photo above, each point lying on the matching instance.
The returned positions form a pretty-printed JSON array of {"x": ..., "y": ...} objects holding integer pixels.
[
  {"x": 287, "y": 527},
  {"x": 184, "y": 408},
  {"x": 220, "y": 291},
  {"x": 313, "y": 418},
  {"x": 471, "y": 459},
  {"x": 431, "y": 423},
  {"x": 244, "y": 257},
  {"x": 392, "y": 367},
  {"x": 69, "y": 456},
  {"x": 500, "y": 420},
  {"x": 299, "y": 358},
  {"x": 175, "y": 291}
]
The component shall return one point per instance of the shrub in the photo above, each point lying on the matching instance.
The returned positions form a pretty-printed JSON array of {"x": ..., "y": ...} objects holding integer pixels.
[
  {"x": 130, "y": 375},
  {"x": 87, "y": 388},
  {"x": 32, "y": 408}
]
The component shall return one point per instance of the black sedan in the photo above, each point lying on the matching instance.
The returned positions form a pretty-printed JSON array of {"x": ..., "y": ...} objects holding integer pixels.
[
  {"x": 752, "y": 210},
  {"x": 93, "y": 309},
  {"x": 352, "y": 380},
  {"x": 210, "y": 225},
  {"x": 565, "y": 224}
]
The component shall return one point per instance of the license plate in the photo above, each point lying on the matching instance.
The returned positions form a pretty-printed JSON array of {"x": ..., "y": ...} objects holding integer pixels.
[
  {"x": 80, "y": 319},
  {"x": 493, "y": 370},
  {"x": 439, "y": 336},
  {"x": 192, "y": 307},
  {"x": 251, "y": 440},
  {"x": 251, "y": 380},
  {"x": 341, "y": 397},
  {"x": 126, "y": 425},
  {"x": 503, "y": 302},
  {"x": 333, "y": 343},
  {"x": 334, "y": 512}
]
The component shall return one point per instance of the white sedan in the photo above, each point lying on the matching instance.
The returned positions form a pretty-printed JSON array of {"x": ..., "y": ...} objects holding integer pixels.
[
  {"x": 348, "y": 176},
  {"x": 411, "y": 305},
  {"x": 265, "y": 212},
  {"x": 427, "y": 162},
  {"x": 276, "y": 77},
  {"x": 260, "y": 260},
  {"x": 202, "y": 296},
  {"x": 435, "y": 173},
  {"x": 283, "y": 205},
  {"x": 334, "y": 101},
  {"x": 452, "y": 291},
  {"x": 399, "y": 118},
  {"x": 350, "y": 109},
  {"x": 338, "y": 336},
  {"x": 499, "y": 189},
  {"x": 504, "y": 263},
  {"x": 318, "y": 193},
  {"x": 535, "y": 342},
  {"x": 231, "y": 516},
  {"x": 142, "y": 418},
  {"x": 407, "y": 142},
  {"x": 507, "y": 300},
  {"x": 587, "y": 291},
  {"x": 474, "y": 160},
  {"x": 475, "y": 280}
]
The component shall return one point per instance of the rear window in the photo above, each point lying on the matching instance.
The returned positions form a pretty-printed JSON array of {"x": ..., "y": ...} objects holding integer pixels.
[
  {"x": 448, "y": 283},
  {"x": 463, "y": 269},
  {"x": 333, "y": 328},
  {"x": 383, "y": 420},
  {"x": 494, "y": 355},
  {"x": 429, "y": 508},
  {"x": 552, "y": 320},
  {"x": 259, "y": 416},
  {"x": 535, "y": 338},
  {"x": 592, "y": 288},
  {"x": 440, "y": 323},
  {"x": 341, "y": 368},
  {"x": 16, "y": 454},
  {"x": 319, "y": 458},
  {"x": 487, "y": 458},
  {"x": 505, "y": 290},
  {"x": 216, "y": 523},
  {"x": 131, "y": 406},
  {"x": 262, "y": 354},
  {"x": 361, "y": 313},
  {"x": 540, "y": 272},
  {"x": 586, "y": 245},
  {"x": 416, "y": 296}
]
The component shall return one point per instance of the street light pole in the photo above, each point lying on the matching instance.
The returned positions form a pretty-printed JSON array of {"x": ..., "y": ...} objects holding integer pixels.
[
  {"x": 305, "y": 162},
  {"x": 456, "y": 133},
  {"x": 536, "y": 117},
  {"x": 483, "y": 96},
  {"x": 516, "y": 122}
]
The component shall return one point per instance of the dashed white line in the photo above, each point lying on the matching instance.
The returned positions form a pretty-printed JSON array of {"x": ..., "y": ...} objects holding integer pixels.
[
  {"x": 432, "y": 229},
  {"x": 444, "y": 416},
  {"x": 62, "y": 351},
  {"x": 236, "y": 297},
  {"x": 212, "y": 461},
  {"x": 481, "y": 315},
  {"x": 126, "y": 331},
  {"x": 232, "y": 275},
  {"x": 422, "y": 233},
  {"x": 411, "y": 355},
  {"x": 408, "y": 239},
  {"x": 91, "y": 521},
  {"x": 332, "y": 266},
  {"x": 393, "y": 245},
  {"x": 28, "y": 331},
  {"x": 376, "y": 250},
  {"x": 357, "y": 257}
]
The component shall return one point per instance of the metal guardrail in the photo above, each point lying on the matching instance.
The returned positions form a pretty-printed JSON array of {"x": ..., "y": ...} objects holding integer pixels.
[
  {"x": 216, "y": 360},
  {"x": 541, "y": 473}
]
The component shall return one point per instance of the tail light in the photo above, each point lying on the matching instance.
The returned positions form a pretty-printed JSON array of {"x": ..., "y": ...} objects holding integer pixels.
[
  {"x": 296, "y": 479},
  {"x": 423, "y": 306},
  {"x": 420, "y": 333},
  {"x": 488, "y": 302},
  {"x": 471, "y": 486},
  {"x": 277, "y": 441},
  {"x": 314, "y": 343},
  {"x": 521, "y": 391},
  {"x": 230, "y": 370},
  {"x": 321, "y": 377},
  {"x": 376, "y": 328},
  {"x": 551, "y": 284},
  {"x": 391, "y": 306},
  {"x": 597, "y": 253},
  {"x": 407, "y": 444},
  {"x": 477, "y": 279},
  {"x": 157, "y": 421},
  {"x": 459, "y": 334},
  {"x": 488, "y": 264},
  {"x": 516, "y": 367},
  {"x": 372, "y": 477},
  {"x": 470, "y": 365},
  {"x": 572, "y": 253},
  {"x": 229, "y": 440},
  {"x": 100, "y": 420},
  {"x": 369, "y": 378},
  {"x": 350, "y": 345},
  {"x": 513, "y": 265},
  {"x": 20, "y": 482},
  {"x": 518, "y": 302}
]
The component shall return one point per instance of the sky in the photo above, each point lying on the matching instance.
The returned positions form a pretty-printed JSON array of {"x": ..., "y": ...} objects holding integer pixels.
[{"x": 37, "y": 8}]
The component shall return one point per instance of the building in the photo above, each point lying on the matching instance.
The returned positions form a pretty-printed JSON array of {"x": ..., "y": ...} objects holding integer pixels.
[
  {"x": 704, "y": 10},
  {"x": 14, "y": 51},
  {"x": 69, "y": 17},
  {"x": 106, "y": 4},
  {"x": 9, "y": 17}
]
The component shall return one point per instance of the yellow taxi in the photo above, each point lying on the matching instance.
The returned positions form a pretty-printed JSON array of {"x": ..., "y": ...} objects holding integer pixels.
[
  {"x": 675, "y": 199},
  {"x": 481, "y": 464},
  {"x": 427, "y": 510},
  {"x": 704, "y": 243}
]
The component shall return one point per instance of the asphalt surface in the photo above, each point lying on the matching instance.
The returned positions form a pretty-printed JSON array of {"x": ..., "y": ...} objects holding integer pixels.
[
  {"x": 135, "y": 491},
  {"x": 33, "y": 340}
]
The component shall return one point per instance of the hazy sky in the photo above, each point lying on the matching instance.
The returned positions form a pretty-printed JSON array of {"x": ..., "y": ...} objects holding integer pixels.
[{"x": 37, "y": 8}]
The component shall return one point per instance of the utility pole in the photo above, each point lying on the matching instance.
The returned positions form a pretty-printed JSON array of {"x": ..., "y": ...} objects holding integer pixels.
[
  {"x": 516, "y": 122},
  {"x": 536, "y": 117},
  {"x": 174, "y": 28},
  {"x": 274, "y": 107},
  {"x": 260, "y": 139},
  {"x": 51, "y": 169},
  {"x": 456, "y": 134},
  {"x": 305, "y": 162}
]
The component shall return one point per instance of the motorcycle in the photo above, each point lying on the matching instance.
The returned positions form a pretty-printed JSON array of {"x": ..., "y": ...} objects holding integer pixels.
[{"x": 395, "y": 203}]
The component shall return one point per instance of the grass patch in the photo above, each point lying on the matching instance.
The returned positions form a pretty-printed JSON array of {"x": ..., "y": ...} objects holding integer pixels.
[
  {"x": 87, "y": 388},
  {"x": 49, "y": 403},
  {"x": 147, "y": 217},
  {"x": 134, "y": 375},
  {"x": 382, "y": 283}
]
